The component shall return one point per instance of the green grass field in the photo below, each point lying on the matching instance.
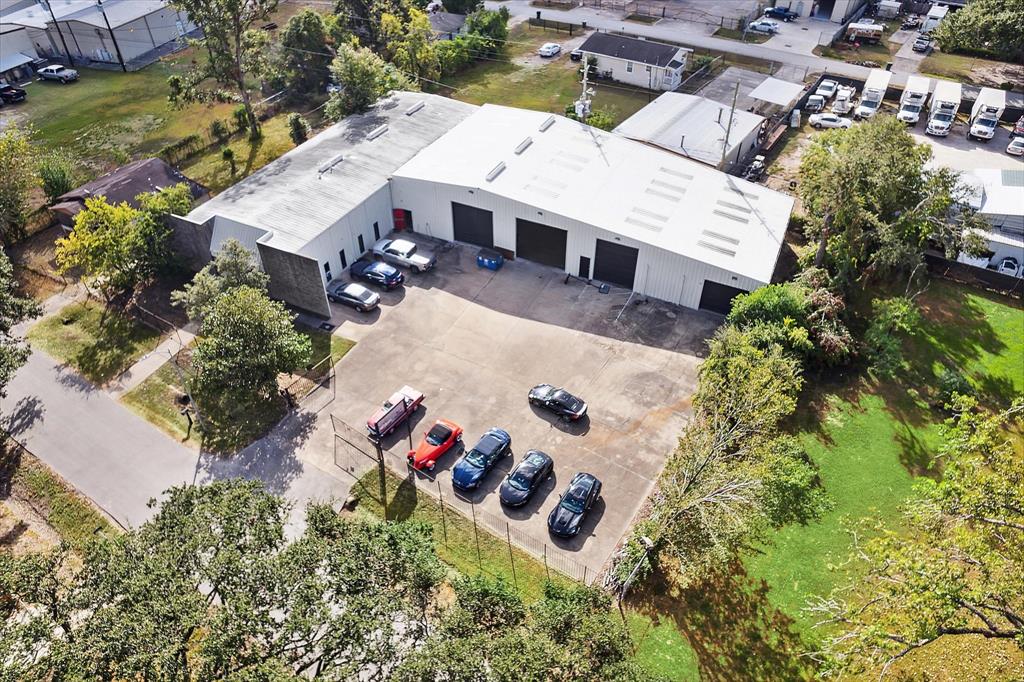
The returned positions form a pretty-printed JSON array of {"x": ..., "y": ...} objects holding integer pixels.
[{"x": 99, "y": 344}]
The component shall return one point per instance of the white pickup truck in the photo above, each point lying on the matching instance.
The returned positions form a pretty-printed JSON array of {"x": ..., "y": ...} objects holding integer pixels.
[{"x": 56, "y": 72}]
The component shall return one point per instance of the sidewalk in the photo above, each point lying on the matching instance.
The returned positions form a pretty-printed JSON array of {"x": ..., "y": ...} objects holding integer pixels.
[{"x": 149, "y": 363}]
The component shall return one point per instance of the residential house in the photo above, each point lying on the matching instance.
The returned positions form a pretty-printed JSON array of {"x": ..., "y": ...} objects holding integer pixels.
[
  {"x": 446, "y": 25},
  {"x": 642, "y": 63}
]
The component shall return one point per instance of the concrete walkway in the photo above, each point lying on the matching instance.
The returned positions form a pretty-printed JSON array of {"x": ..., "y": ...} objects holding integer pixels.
[{"x": 149, "y": 363}]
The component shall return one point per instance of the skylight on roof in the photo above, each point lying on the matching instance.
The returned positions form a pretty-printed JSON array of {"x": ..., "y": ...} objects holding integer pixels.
[
  {"x": 377, "y": 132},
  {"x": 415, "y": 107},
  {"x": 548, "y": 122}
]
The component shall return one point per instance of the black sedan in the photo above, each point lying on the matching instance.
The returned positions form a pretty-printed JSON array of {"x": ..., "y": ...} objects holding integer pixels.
[
  {"x": 574, "y": 504},
  {"x": 524, "y": 479},
  {"x": 561, "y": 402},
  {"x": 10, "y": 94},
  {"x": 354, "y": 295},
  {"x": 781, "y": 13},
  {"x": 377, "y": 272}
]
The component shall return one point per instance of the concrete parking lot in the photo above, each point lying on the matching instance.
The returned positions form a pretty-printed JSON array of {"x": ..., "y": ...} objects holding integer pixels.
[
  {"x": 962, "y": 154},
  {"x": 475, "y": 342}
]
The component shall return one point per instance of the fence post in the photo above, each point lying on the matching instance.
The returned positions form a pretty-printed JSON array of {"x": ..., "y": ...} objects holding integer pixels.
[
  {"x": 546, "y": 571},
  {"x": 444, "y": 524},
  {"x": 511, "y": 560},
  {"x": 476, "y": 535},
  {"x": 584, "y": 574}
]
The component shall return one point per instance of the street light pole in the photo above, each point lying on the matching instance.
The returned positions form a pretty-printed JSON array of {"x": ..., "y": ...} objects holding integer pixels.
[{"x": 117, "y": 48}]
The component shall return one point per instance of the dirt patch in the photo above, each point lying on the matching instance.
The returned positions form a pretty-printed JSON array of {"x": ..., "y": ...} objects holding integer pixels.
[
  {"x": 23, "y": 530},
  {"x": 996, "y": 74},
  {"x": 568, "y": 43}
]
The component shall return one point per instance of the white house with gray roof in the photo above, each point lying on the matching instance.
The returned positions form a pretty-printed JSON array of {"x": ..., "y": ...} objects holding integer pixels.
[{"x": 643, "y": 63}]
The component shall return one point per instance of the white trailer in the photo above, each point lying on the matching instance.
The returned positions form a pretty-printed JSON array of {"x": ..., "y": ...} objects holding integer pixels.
[
  {"x": 873, "y": 94},
  {"x": 985, "y": 113},
  {"x": 864, "y": 32},
  {"x": 942, "y": 111},
  {"x": 912, "y": 102}
]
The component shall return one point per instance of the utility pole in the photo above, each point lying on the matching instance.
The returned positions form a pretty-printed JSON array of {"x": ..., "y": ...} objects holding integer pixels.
[
  {"x": 117, "y": 48},
  {"x": 60, "y": 33},
  {"x": 583, "y": 103},
  {"x": 728, "y": 128}
]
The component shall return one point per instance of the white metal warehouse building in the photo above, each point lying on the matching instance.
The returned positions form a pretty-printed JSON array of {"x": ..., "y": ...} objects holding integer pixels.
[{"x": 536, "y": 186}]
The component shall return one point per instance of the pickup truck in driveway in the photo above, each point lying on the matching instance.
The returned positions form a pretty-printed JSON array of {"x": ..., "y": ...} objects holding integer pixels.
[
  {"x": 56, "y": 72},
  {"x": 393, "y": 412}
]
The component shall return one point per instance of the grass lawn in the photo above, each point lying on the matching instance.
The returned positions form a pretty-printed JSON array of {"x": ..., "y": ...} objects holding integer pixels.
[
  {"x": 30, "y": 481},
  {"x": 975, "y": 70},
  {"x": 746, "y": 37},
  {"x": 98, "y": 344},
  {"x": 224, "y": 430},
  {"x": 210, "y": 169}
]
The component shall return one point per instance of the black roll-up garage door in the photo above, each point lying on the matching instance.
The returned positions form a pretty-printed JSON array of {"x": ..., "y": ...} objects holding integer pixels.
[
  {"x": 540, "y": 243},
  {"x": 718, "y": 297},
  {"x": 473, "y": 225},
  {"x": 615, "y": 263}
]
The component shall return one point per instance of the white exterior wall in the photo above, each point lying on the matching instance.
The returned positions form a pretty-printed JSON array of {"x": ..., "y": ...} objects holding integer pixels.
[
  {"x": 844, "y": 9},
  {"x": 659, "y": 78},
  {"x": 134, "y": 38},
  {"x": 344, "y": 234},
  {"x": 661, "y": 274}
]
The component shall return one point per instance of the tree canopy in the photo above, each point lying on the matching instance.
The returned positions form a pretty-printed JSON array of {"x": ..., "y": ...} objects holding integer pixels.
[
  {"x": 232, "y": 267},
  {"x": 409, "y": 44},
  {"x": 986, "y": 27},
  {"x": 17, "y": 178},
  {"x": 305, "y": 56},
  {"x": 13, "y": 309},
  {"x": 366, "y": 78}
]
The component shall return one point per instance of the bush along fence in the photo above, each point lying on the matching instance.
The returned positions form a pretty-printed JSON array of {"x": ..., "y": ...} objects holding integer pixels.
[
  {"x": 355, "y": 454},
  {"x": 218, "y": 134}
]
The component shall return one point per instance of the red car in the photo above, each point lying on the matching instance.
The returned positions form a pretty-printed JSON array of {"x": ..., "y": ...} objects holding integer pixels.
[{"x": 437, "y": 441}]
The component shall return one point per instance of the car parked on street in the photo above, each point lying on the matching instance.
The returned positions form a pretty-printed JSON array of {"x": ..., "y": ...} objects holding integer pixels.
[
  {"x": 353, "y": 295},
  {"x": 1008, "y": 266},
  {"x": 525, "y": 478},
  {"x": 557, "y": 400},
  {"x": 764, "y": 26},
  {"x": 11, "y": 95},
  {"x": 827, "y": 89},
  {"x": 56, "y": 72},
  {"x": 827, "y": 120},
  {"x": 403, "y": 252},
  {"x": 783, "y": 13},
  {"x": 549, "y": 49},
  {"x": 574, "y": 504},
  {"x": 377, "y": 272},
  {"x": 442, "y": 437},
  {"x": 1016, "y": 147},
  {"x": 472, "y": 467}
]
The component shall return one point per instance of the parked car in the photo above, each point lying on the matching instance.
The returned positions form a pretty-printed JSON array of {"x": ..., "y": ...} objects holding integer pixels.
[
  {"x": 827, "y": 89},
  {"x": 403, "y": 252},
  {"x": 1018, "y": 128},
  {"x": 781, "y": 13},
  {"x": 525, "y": 478},
  {"x": 573, "y": 505},
  {"x": 1009, "y": 266},
  {"x": 395, "y": 410},
  {"x": 576, "y": 55},
  {"x": 549, "y": 49},
  {"x": 764, "y": 26},
  {"x": 911, "y": 23},
  {"x": 829, "y": 121},
  {"x": 1016, "y": 147},
  {"x": 922, "y": 44},
  {"x": 56, "y": 72},
  {"x": 814, "y": 103},
  {"x": 561, "y": 402},
  {"x": 473, "y": 466},
  {"x": 441, "y": 438},
  {"x": 10, "y": 94},
  {"x": 377, "y": 272},
  {"x": 353, "y": 295}
]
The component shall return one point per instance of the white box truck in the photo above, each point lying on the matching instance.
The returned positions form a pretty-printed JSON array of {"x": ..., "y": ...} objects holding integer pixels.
[
  {"x": 985, "y": 113},
  {"x": 912, "y": 102},
  {"x": 873, "y": 94},
  {"x": 942, "y": 110}
]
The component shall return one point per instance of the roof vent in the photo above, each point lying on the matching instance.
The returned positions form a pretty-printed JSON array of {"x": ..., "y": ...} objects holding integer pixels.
[
  {"x": 548, "y": 122},
  {"x": 414, "y": 108},
  {"x": 523, "y": 145},
  {"x": 329, "y": 166},
  {"x": 377, "y": 132},
  {"x": 496, "y": 171}
]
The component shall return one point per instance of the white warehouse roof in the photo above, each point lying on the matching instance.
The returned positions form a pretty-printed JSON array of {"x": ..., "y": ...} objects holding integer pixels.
[
  {"x": 306, "y": 191},
  {"x": 614, "y": 183},
  {"x": 690, "y": 125},
  {"x": 119, "y": 12}
]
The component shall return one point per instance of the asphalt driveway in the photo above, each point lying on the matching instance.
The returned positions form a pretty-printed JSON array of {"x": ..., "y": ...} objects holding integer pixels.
[{"x": 475, "y": 342}]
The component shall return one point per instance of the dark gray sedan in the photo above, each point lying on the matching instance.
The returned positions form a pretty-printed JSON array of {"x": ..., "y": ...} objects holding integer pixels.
[
  {"x": 525, "y": 478},
  {"x": 353, "y": 295}
]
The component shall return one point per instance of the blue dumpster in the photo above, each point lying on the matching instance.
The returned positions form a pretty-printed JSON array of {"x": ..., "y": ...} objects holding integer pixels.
[{"x": 490, "y": 259}]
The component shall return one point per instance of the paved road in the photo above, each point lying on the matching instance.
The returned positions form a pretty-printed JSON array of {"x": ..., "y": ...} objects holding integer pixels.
[
  {"x": 692, "y": 35},
  {"x": 120, "y": 461}
]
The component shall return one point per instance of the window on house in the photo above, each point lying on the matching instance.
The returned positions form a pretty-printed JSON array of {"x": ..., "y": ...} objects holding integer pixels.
[
  {"x": 327, "y": 271},
  {"x": 376, "y": 231},
  {"x": 629, "y": 67},
  {"x": 341, "y": 257},
  {"x": 362, "y": 249}
]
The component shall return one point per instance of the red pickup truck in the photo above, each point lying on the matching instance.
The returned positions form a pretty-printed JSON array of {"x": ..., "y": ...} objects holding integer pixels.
[{"x": 393, "y": 412}]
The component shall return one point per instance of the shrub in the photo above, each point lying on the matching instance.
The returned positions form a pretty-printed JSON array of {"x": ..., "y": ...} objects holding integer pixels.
[
  {"x": 952, "y": 382},
  {"x": 219, "y": 131},
  {"x": 892, "y": 318},
  {"x": 57, "y": 173},
  {"x": 298, "y": 128},
  {"x": 228, "y": 155}
]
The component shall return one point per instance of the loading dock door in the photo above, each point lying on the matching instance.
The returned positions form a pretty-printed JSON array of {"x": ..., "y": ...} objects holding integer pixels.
[
  {"x": 473, "y": 225},
  {"x": 615, "y": 263},
  {"x": 718, "y": 297},
  {"x": 540, "y": 243}
]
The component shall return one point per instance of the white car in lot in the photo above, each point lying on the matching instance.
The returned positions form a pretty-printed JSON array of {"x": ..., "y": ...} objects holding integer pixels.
[
  {"x": 549, "y": 49},
  {"x": 1016, "y": 147},
  {"x": 1008, "y": 266},
  {"x": 827, "y": 89},
  {"x": 764, "y": 26},
  {"x": 829, "y": 121},
  {"x": 403, "y": 252}
]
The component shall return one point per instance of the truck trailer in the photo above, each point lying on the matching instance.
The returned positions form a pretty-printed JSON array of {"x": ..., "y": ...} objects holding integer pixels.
[
  {"x": 864, "y": 33},
  {"x": 985, "y": 113},
  {"x": 873, "y": 94},
  {"x": 912, "y": 102},
  {"x": 942, "y": 110}
]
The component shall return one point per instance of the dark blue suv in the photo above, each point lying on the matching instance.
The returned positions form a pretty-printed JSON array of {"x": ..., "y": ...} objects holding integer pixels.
[
  {"x": 377, "y": 272},
  {"x": 473, "y": 466},
  {"x": 781, "y": 13}
]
